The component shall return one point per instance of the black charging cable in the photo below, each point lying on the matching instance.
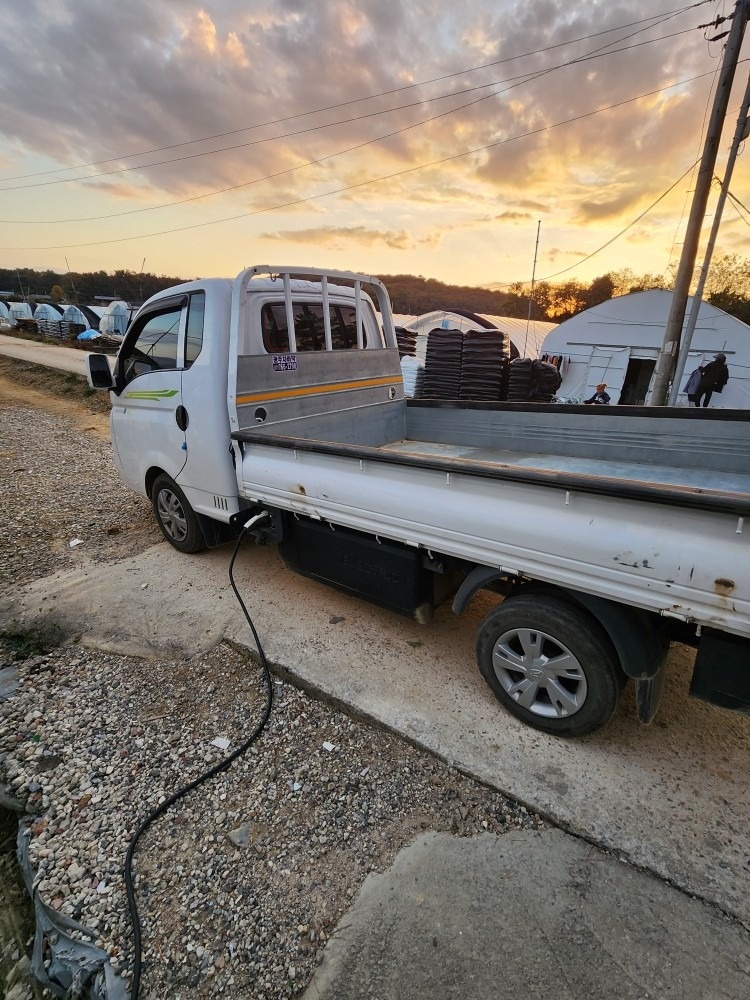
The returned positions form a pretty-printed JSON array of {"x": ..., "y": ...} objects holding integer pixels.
[{"x": 216, "y": 769}]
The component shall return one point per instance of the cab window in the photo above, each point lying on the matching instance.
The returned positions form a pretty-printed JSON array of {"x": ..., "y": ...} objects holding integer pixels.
[
  {"x": 155, "y": 347},
  {"x": 194, "y": 330},
  {"x": 309, "y": 328}
]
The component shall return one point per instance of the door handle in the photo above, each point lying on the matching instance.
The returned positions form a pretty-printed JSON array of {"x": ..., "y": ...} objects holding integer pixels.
[{"x": 181, "y": 416}]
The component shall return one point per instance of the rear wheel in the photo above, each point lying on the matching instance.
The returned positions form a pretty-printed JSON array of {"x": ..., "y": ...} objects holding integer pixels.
[
  {"x": 177, "y": 519},
  {"x": 550, "y": 663}
]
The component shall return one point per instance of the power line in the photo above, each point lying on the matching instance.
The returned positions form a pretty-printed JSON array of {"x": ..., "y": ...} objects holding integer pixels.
[
  {"x": 666, "y": 15},
  {"x": 291, "y": 170},
  {"x": 367, "y": 183},
  {"x": 521, "y": 78},
  {"x": 738, "y": 204},
  {"x": 625, "y": 230}
]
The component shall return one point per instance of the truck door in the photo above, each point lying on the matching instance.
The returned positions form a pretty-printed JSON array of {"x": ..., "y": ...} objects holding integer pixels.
[{"x": 148, "y": 425}]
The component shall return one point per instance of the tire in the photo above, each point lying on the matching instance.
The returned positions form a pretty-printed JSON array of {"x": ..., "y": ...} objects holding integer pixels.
[
  {"x": 521, "y": 646},
  {"x": 178, "y": 521}
]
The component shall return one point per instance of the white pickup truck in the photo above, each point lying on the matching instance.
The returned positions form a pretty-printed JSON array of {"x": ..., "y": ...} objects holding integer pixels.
[{"x": 610, "y": 531}]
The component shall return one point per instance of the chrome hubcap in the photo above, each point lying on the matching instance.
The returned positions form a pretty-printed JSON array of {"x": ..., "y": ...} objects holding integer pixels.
[
  {"x": 539, "y": 673},
  {"x": 171, "y": 515}
]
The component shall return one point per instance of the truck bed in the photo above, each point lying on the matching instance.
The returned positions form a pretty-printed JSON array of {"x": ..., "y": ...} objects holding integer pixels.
[
  {"x": 695, "y": 458},
  {"x": 725, "y": 485},
  {"x": 665, "y": 533}
]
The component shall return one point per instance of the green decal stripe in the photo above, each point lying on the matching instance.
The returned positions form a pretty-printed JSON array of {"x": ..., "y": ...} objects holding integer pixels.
[{"x": 152, "y": 394}]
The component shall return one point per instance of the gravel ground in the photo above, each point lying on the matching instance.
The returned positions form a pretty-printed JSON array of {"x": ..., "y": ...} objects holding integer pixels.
[
  {"x": 241, "y": 882},
  {"x": 59, "y": 486}
]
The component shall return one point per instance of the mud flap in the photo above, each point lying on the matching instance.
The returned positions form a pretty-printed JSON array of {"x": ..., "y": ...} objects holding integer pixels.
[{"x": 648, "y": 692}]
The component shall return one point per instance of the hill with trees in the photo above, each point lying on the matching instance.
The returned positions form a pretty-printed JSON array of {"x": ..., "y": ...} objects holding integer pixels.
[
  {"x": 82, "y": 287},
  {"x": 727, "y": 288}
]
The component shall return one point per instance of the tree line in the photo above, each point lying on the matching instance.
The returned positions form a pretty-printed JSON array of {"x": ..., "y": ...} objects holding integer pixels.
[
  {"x": 727, "y": 288},
  {"x": 82, "y": 287}
]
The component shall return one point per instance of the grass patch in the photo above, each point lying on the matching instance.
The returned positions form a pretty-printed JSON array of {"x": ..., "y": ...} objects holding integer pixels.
[
  {"x": 16, "y": 646},
  {"x": 54, "y": 382}
]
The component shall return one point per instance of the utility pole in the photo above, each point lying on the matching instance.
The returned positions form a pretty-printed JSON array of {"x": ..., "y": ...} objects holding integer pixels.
[
  {"x": 531, "y": 292},
  {"x": 740, "y": 135},
  {"x": 665, "y": 366}
]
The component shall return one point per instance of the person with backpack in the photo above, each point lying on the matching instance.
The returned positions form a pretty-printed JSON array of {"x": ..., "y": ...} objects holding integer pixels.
[{"x": 713, "y": 377}]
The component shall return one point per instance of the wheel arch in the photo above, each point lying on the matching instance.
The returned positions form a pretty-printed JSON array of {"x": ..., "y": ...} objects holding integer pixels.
[
  {"x": 639, "y": 637},
  {"x": 177, "y": 515},
  {"x": 152, "y": 474}
]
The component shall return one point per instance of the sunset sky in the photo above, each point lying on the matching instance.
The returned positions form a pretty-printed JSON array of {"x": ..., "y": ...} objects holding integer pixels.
[{"x": 382, "y": 135}]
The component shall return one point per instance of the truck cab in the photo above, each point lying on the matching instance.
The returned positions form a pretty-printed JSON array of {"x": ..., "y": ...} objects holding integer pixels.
[{"x": 208, "y": 357}]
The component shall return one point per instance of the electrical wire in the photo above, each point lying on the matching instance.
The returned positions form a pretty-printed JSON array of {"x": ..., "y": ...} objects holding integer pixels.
[
  {"x": 666, "y": 15},
  {"x": 737, "y": 204},
  {"x": 301, "y": 166},
  {"x": 623, "y": 231},
  {"x": 524, "y": 78},
  {"x": 210, "y": 773},
  {"x": 359, "y": 184}
]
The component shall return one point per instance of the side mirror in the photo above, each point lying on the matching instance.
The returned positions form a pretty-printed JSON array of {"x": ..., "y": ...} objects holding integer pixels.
[{"x": 100, "y": 376}]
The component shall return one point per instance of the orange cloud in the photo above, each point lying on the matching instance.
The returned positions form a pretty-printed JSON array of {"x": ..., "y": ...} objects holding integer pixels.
[{"x": 335, "y": 237}]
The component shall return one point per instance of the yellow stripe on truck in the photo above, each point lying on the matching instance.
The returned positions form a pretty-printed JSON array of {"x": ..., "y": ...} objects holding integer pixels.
[{"x": 311, "y": 390}]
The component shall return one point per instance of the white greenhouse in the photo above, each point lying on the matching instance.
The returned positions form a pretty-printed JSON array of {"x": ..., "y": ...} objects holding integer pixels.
[
  {"x": 20, "y": 310},
  {"x": 618, "y": 342},
  {"x": 116, "y": 317},
  {"x": 46, "y": 311}
]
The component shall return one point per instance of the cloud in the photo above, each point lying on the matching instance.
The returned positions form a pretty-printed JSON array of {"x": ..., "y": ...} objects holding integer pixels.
[
  {"x": 509, "y": 216},
  {"x": 336, "y": 237},
  {"x": 82, "y": 82},
  {"x": 612, "y": 208},
  {"x": 170, "y": 72},
  {"x": 124, "y": 191},
  {"x": 533, "y": 206}
]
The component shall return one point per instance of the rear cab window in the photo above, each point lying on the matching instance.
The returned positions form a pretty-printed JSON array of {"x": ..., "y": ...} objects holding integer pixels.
[{"x": 309, "y": 327}]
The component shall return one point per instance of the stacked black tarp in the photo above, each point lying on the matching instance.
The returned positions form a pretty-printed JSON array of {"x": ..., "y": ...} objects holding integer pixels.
[
  {"x": 442, "y": 367},
  {"x": 546, "y": 381},
  {"x": 484, "y": 363},
  {"x": 407, "y": 342},
  {"x": 532, "y": 381},
  {"x": 519, "y": 380}
]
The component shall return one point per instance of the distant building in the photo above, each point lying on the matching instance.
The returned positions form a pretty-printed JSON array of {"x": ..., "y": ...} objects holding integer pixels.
[
  {"x": 618, "y": 342},
  {"x": 116, "y": 318}
]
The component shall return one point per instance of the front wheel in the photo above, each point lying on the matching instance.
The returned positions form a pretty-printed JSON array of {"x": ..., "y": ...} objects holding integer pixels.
[
  {"x": 550, "y": 663},
  {"x": 177, "y": 519}
]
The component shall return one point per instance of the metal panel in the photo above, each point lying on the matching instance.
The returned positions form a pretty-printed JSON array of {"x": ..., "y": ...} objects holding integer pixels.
[
  {"x": 323, "y": 382},
  {"x": 692, "y": 564},
  {"x": 686, "y": 439}
]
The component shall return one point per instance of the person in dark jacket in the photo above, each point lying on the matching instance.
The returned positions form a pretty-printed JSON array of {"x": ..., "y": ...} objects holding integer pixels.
[
  {"x": 600, "y": 396},
  {"x": 714, "y": 376}
]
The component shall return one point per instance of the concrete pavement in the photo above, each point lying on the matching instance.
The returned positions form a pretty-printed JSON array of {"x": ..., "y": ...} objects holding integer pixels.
[
  {"x": 672, "y": 797},
  {"x": 527, "y": 915},
  {"x": 67, "y": 359}
]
